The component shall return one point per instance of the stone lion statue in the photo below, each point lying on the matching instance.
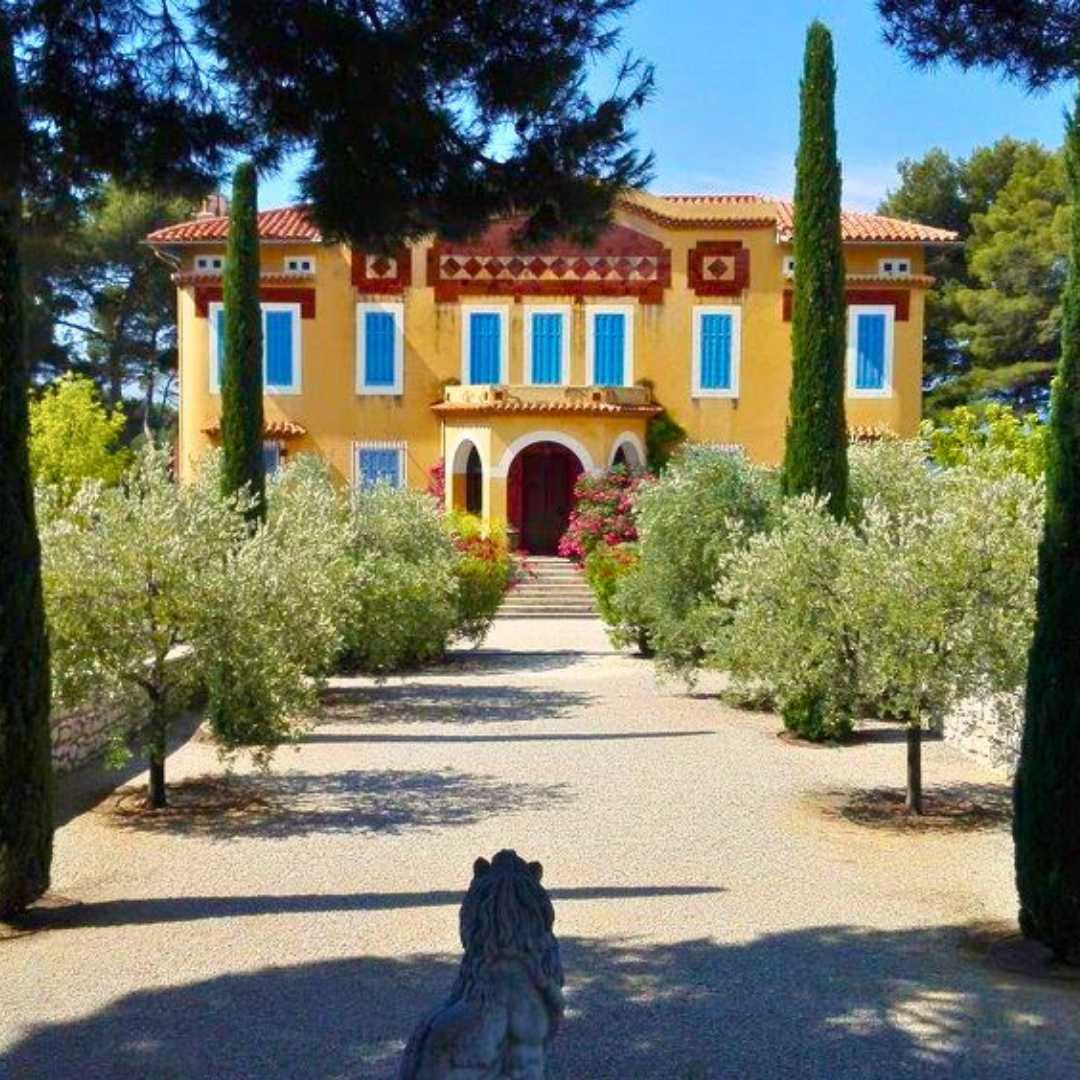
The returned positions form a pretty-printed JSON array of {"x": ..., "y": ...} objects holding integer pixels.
[{"x": 501, "y": 1015}]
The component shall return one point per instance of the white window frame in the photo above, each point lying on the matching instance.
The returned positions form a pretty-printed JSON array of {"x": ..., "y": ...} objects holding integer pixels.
[
  {"x": 591, "y": 311},
  {"x": 789, "y": 266},
  {"x": 854, "y": 311},
  {"x": 697, "y": 390},
  {"x": 396, "y": 309},
  {"x": 289, "y": 259},
  {"x": 467, "y": 312},
  {"x": 296, "y": 387},
  {"x": 566, "y": 311},
  {"x": 380, "y": 444},
  {"x": 204, "y": 264},
  {"x": 905, "y": 272}
]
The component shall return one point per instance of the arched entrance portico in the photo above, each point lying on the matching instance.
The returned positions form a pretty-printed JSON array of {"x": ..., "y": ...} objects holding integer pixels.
[{"x": 540, "y": 494}]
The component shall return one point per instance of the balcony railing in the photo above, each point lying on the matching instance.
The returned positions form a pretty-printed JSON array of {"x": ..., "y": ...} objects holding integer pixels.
[{"x": 509, "y": 398}]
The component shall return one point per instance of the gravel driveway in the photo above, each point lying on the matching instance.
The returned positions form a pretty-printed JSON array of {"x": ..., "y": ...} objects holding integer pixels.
[{"x": 719, "y": 915}]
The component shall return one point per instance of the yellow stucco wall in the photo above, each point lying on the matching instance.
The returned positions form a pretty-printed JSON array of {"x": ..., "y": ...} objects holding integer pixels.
[{"x": 335, "y": 415}]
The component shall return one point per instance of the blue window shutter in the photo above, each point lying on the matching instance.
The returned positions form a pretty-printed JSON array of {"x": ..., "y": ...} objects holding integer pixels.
[
  {"x": 379, "y": 466},
  {"x": 484, "y": 345},
  {"x": 271, "y": 457},
  {"x": 278, "y": 346},
  {"x": 715, "y": 356},
  {"x": 609, "y": 339},
  {"x": 547, "y": 331},
  {"x": 870, "y": 353},
  {"x": 379, "y": 348},
  {"x": 219, "y": 359}
]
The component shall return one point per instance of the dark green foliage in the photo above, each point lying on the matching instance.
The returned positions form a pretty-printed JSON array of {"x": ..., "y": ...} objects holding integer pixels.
[
  {"x": 809, "y": 718},
  {"x": 815, "y": 454},
  {"x": 25, "y": 758},
  {"x": 663, "y": 436},
  {"x": 1046, "y": 825},
  {"x": 1033, "y": 41},
  {"x": 241, "y": 376}
]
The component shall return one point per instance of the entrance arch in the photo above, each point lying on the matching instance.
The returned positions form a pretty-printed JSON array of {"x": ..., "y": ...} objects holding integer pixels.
[
  {"x": 540, "y": 494},
  {"x": 467, "y": 478}
]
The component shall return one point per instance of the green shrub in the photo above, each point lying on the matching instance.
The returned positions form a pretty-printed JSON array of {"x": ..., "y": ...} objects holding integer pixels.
[
  {"x": 992, "y": 440},
  {"x": 707, "y": 505},
  {"x": 484, "y": 569},
  {"x": 614, "y": 575}
]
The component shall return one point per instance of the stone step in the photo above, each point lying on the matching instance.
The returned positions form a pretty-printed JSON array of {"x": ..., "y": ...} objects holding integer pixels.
[{"x": 547, "y": 615}]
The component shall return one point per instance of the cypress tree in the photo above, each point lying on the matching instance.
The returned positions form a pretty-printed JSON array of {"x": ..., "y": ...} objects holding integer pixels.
[
  {"x": 25, "y": 755},
  {"x": 241, "y": 375},
  {"x": 1046, "y": 823},
  {"x": 815, "y": 454}
]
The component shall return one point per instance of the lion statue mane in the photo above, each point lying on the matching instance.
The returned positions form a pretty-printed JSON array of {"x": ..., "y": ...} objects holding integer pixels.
[{"x": 507, "y": 1001}]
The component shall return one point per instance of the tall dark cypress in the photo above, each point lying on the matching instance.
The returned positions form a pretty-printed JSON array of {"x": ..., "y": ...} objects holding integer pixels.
[
  {"x": 815, "y": 455},
  {"x": 26, "y": 824},
  {"x": 1046, "y": 824},
  {"x": 242, "y": 376}
]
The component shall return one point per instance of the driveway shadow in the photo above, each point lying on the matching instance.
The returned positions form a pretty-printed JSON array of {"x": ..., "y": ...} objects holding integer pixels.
[
  {"x": 449, "y": 703},
  {"x": 276, "y": 806},
  {"x": 504, "y": 662},
  {"x": 822, "y": 1003}
]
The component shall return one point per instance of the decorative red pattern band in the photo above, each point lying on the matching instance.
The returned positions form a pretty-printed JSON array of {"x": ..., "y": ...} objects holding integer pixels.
[
  {"x": 374, "y": 273},
  {"x": 718, "y": 268},
  {"x": 898, "y": 298},
  {"x": 205, "y": 295}
]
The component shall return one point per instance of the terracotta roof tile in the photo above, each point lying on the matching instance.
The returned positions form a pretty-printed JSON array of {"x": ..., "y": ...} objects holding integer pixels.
[
  {"x": 290, "y": 223},
  {"x": 272, "y": 429},
  {"x": 868, "y": 228},
  {"x": 580, "y": 408}
]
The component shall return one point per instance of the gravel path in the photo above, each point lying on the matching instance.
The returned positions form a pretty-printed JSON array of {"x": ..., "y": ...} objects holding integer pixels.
[{"x": 718, "y": 917}]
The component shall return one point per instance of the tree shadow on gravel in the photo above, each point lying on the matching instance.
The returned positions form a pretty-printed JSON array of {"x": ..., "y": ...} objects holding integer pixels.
[
  {"x": 500, "y": 662},
  {"x": 569, "y": 736},
  {"x": 276, "y": 806},
  {"x": 448, "y": 703},
  {"x": 824, "y": 1003},
  {"x": 959, "y": 807}
]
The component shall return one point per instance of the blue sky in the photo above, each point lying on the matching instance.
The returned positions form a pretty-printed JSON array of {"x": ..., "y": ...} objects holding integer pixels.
[{"x": 724, "y": 116}]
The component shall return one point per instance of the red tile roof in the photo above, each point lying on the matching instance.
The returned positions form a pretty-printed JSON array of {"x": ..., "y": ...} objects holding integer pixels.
[
  {"x": 272, "y": 429},
  {"x": 868, "y": 228},
  {"x": 290, "y": 223}
]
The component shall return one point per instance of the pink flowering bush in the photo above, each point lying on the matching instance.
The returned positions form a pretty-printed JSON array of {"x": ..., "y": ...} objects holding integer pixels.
[{"x": 603, "y": 512}]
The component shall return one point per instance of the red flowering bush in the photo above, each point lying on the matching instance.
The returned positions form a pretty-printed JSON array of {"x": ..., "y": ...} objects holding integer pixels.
[
  {"x": 436, "y": 481},
  {"x": 603, "y": 512}
]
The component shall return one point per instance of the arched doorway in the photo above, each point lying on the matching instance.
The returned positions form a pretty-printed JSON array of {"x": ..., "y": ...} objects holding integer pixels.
[
  {"x": 540, "y": 495},
  {"x": 474, "y": 483},
  {"x": 466, "y": 478}
]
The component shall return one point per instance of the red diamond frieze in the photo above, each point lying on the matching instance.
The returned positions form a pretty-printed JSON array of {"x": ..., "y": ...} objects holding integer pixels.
[
  {"x": 381, "y": 266},
  {"x": 580, "y": 267},
  {"x": 624, "y": 267},
  {"x": 473, "y": 267},
  {"x": 718, "y": 268},
  {"x": 646, "y": 268},
  {"x": 515, "y": 267},
  {"x": 602, "y": 267},
  {"x": 537, "y": 267},
  {"x": 450, "y": 266},
  {"x": 559, "y": 267},
  {"x": 495, "y": 267}
]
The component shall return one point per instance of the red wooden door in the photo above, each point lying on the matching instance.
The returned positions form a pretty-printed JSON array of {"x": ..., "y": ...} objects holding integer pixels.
[{"x": 548, "y": 474}]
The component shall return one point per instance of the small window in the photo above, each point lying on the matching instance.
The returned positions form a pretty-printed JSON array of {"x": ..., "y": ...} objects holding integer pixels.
[
  {"x": 609, "y": 345},
  {"x": 380, "y": 348},
  {"x": 483, "y": 345},
  {"x": 272, "y": 456},
  {"x": 789, "y": 266},
  {"x": 894, "y": 267},
  {"x": 717, "y": 346},
  {"x": 281, "y": 347},
  {"x": 209, "y": 264},
  {"x": 547, "y": 345},
  {"x": 870, "y": 351},
  {"x": 299, "y": 264},
  {"x": 380, "y": 463}
]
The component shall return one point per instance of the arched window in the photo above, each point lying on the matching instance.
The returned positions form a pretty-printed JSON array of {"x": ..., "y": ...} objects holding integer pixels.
[
  {"x": 474, "y": 487},
  {"x": 620, "y": 457}
]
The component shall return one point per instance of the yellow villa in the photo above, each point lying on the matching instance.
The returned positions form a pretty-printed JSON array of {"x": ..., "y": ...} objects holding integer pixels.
[{"x": 519, "y": 369}]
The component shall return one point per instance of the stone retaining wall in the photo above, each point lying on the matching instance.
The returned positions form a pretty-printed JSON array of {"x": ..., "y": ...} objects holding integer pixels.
[
  {"x": 988, "y": 730},
  {"x": 80, "y": 735}
]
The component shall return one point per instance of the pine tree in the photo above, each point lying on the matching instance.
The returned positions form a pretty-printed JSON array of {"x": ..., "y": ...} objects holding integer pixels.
[
  {"x": 1046, "y": 824},
  {"x": 241, "y": 375},
  {"x": 815, "y": 455},
  {"x": 26, "y": 825}
]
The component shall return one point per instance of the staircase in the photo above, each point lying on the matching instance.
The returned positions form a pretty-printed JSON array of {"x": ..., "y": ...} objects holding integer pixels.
[{"x": 555, "y": 590}]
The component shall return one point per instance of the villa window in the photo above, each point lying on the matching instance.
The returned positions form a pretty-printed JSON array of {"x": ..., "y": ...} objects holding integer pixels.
[
  {"x": 870, "y": 350},
  {"x": 299, "y": 264},
  {"x": 483, "y": 344},
  {"x": 272, "y": 456},
  {"x": 789, "y": 266},
  {"x": 380, "y": 347},
  {"x": 547, "y": 345},
  {"x": 209, "y": 264},
  {"x": 894, "y": 267},
  {"x": 717, "y": 334},
  {"x": 609, "y": 345},
  {"x": 379, "y": 463},
  {"x": 281, "y": 347}
]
